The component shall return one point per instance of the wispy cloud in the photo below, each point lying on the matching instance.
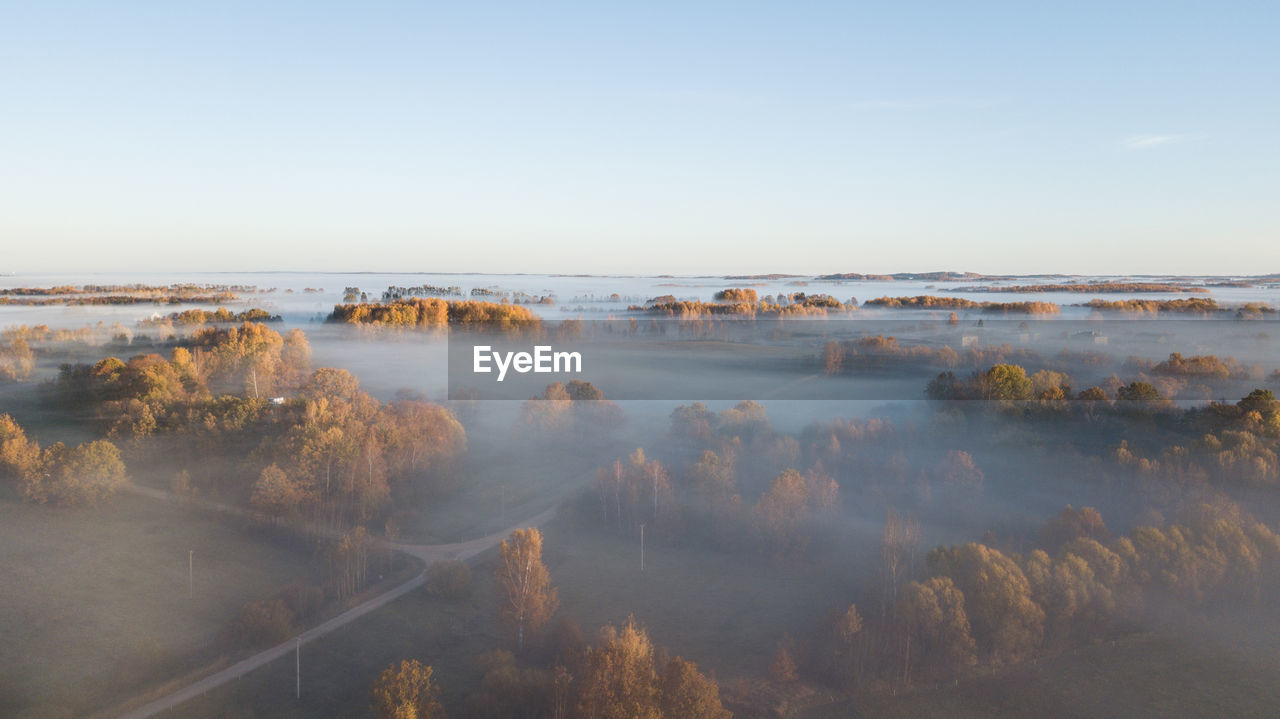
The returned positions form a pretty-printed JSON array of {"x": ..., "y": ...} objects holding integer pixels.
[
  {"x": 1150, "y": 142},
  {"x": 922, "y": 103}
]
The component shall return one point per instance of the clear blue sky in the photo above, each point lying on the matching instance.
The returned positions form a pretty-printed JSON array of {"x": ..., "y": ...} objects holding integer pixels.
[{"x": 680, "y": 137}]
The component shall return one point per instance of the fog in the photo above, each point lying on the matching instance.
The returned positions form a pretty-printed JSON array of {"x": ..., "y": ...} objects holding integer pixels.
[{"x": 784, "y": 470}]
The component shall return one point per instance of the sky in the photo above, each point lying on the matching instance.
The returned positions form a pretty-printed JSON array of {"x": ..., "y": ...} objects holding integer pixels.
[{"x": 601, "y": 137}]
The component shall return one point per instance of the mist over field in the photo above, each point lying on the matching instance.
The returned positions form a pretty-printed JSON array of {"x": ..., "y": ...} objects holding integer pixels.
[
  {"x": 927, "y": 503},
  {"x": 502, "y": 360}
]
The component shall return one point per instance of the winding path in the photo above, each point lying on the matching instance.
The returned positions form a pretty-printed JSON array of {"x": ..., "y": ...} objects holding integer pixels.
[{"x": 428, "y": 553}]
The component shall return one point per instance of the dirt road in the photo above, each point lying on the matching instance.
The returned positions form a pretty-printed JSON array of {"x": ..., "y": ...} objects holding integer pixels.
[{"x": 428, "y": 553}]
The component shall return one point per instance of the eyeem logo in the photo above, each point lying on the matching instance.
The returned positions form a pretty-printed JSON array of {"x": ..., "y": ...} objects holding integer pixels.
[{"x": 543, "y": 360}]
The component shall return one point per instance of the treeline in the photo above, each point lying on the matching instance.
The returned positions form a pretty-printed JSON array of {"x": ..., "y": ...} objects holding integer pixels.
[
  {"x": 176, "y": 299},
  {"x": 393, "y": 293},
  {"x": 929, "y": 276},
  {"x": 1155, "y": 382},
  {"x": 1191, "y": 305},
  {"x": 58, "y": 474},
  {"x": 740, "y": 302},
  {"x": 577, "y": 411},
  {"x": 325, "y": 450},
  {"x": 622, "y": 675},
  {"x": 935, "y": 302},
  {"x": 977, "y": 603},
  {"x": 1232, "y": 444},
  {"x": 703, "y": 498},
  {"x": 1202, "y": 366},
  {"x": 880, "y": 352},
  {"x": 174, "y": 290},
  {"x": 222, "y": 315},
  {"x": 1101, "y": 287},
  {"x": 339, "y": 456},
  {"x": 435, "y": 313},
  {"x": 136, "y": 396}
]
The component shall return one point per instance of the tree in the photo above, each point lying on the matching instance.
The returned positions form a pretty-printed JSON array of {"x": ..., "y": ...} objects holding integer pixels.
[
  {"x": 528, "y": 599},
  {"x": 899, "y": 545},
  {"x": 1138, "y": 392},
  {"x": 935, "y": 628},
  {"x": 958, "y": 471},
  {"x": 689, "y": 694},
  {"x": 295, "y": 357},
  {"x": 407, "y": 691},
  {"x": 1070, "y": 524},
  {"x": 712, "y": 479},
  {"x": 619, "y": 681},
  {"x": 349, "y": 562},
  {"x": 1005, "y": 382},
  {"x": 823, "y": 490},
  {"x": 84, "y": 474},
  {"x": 780, "y": 513},
  {"x": 1007, "y": 624},
  {"x": 275, "y": 493},
  {"x": 1261, "y": 401},
  {"x": 783, "y": 668},
  {"x": 19, "y": 456}
]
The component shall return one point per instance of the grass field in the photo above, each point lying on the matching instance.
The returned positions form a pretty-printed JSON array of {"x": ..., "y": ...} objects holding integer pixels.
[
  {"x": 94, "y": 602},
  {"x": 505, "y": 482},
  {"x": 339, "y": 669}
]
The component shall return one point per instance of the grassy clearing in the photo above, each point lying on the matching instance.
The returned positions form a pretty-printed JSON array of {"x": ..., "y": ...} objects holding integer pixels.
[
  {"x": 339, "y": 669},
  {"x": 726, "y": 612},
  {"x": 506, "y": 482},
  {"x": 95, "y": 605}
]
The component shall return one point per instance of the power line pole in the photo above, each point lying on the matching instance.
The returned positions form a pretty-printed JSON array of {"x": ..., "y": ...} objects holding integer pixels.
[
  {"x": 297, "y": 668},
  {"x": 191, "y": 577},
  {"x": 642, "y": 546}
]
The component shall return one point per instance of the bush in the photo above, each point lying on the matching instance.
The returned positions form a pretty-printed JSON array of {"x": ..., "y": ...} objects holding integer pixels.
[
  {"x": 449, "y": 580},
  {"x": 266, "y": 621}
]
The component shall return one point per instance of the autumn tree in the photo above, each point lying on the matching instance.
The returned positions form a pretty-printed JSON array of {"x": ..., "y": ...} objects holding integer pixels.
[
  {"x": 1005, "y": 382},
  {"x": 407, "y": 691},
  {"x": 275, "y": 494},
  {"x": 19, "y": 456},
  {"x": 348, "y": 558},
  {"x": 784, "y": 668},
  {"x": 935, "y": 631},
  {"x": 959, "y": 472},
  {"x": 1071, "y": 524},
  {"x": 84, "y": 474},
  {"x": 528, "y": 600},
  {"x": 1007, "y": 623},
  {"x": 837, "y": 646},
  {"x": 689, "y": 694},
  {"x": 712, "y": 479},
  {"x": 781, "y": 512},
  {"x": 899, "y": 546},
  {"x": 620, "y": 681}
]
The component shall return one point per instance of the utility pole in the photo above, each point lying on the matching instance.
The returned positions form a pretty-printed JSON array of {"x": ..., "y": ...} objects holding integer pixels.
[
  {"x": 297, "y": 668},
  {"x": 191, "y": 577},
  {"x": 642, "y": 546}
]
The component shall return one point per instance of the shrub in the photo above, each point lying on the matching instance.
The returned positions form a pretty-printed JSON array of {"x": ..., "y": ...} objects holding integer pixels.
[
  {"x": 449, "y": 580},
  {"x": 265, "y": 621}
]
